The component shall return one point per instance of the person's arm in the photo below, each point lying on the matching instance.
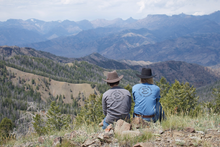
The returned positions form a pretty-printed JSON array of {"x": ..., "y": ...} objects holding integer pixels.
[
  {"x": 129, "y": 102},
  {"x": 104, "y": 106},
  {"x": 158, "y": 95},
  {"x": 133, "y": 94}
]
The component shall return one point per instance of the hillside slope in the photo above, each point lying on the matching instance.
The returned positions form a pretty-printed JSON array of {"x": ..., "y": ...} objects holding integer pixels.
[
  {"x": 85, "y": 72},
  {"x": 200, "y": 49},
  {"x": 10, "y": 51},
  {"x": 184, "y": 72},
  {"x": 47, "y": 87},
  {"x": 195, "y": 74}
]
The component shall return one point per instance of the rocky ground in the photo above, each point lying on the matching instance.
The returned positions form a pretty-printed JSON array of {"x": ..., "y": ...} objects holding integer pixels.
[{"x": 124, "y": 134}]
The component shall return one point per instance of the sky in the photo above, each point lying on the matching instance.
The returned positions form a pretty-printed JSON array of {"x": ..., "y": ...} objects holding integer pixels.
[{"x": 77, "y": 10}]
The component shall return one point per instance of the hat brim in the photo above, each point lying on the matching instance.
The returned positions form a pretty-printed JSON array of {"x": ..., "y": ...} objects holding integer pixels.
[
  {"x": 114, "y": 80},
  {"x": 144, "y": 76}
]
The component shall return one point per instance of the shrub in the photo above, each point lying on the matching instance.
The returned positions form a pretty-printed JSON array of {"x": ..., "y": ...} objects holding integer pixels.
[
  {"x": 179, "y": 98},
  {"x": 91, "y": 112},
  {"x": 56, "y": 120},
  {"x": 39, "y": 125},
  {"x": 5, "y": 127}
]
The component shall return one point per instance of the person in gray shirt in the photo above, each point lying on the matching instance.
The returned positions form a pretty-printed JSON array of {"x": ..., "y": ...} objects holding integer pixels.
[{"x": 116, "y": 102}]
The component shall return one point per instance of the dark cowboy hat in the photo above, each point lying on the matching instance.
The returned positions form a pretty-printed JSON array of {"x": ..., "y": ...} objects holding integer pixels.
[
  {"x": 146, "y": 73},
  {"x": 112, "y": 77}
]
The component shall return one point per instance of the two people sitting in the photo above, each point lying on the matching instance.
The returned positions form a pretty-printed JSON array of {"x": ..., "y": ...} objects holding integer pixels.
[{"x": 116, "y": 102}]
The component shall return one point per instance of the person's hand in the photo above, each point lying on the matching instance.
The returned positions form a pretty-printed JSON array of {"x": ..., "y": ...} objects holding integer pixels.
[{"x": 101, "y": 124}]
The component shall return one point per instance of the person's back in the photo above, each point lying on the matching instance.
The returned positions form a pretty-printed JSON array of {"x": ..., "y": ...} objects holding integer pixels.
[
  {"x": 151, "y": 94},
  {"x": 116, "y": 102},
  {"x": 146, "y": 98}
]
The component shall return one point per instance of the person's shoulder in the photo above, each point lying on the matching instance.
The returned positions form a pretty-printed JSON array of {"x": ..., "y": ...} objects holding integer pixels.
[
  {"x": 156, "y": 87},
  {"x": 124, "y": 90},
  {"x": 127, "y": 92},
  {"x": 106, "y": 92},
  {"x": 136, "y": 85}
]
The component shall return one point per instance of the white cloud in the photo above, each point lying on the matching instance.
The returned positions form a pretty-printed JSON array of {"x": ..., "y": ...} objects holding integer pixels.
[
  {"x": 66, "y": 2},
  {"x": 101, "y": 9},
  {"x": 104, "y": 5},
  {"x": 142, "y": 6}
]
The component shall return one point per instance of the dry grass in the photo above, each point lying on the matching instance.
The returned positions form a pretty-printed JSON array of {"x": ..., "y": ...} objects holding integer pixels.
[
  {"x": 128, "y": 140},
  {"x": 202, "y": 122},
  {"x": 55, "y": 87},
  {"x": 173, "y": 122}
]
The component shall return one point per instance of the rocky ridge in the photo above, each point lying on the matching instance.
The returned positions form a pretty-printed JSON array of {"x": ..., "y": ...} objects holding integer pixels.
[{"x": 110, "y": 136}]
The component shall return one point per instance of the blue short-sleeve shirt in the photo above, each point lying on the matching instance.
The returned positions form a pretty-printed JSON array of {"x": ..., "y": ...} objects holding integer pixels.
[{"x": 145, "y": 97}]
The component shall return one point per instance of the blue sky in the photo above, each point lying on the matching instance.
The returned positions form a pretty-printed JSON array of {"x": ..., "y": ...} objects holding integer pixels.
[{"x": 76, "y": 10}]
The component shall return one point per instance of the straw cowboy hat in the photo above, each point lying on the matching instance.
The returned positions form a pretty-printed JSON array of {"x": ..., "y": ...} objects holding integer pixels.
[
  {"x": 146, "y": 73},
  {"x": 113, "y": 77}
]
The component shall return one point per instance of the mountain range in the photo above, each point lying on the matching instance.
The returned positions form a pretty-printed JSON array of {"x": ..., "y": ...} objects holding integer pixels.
[
  {"x": 195, "y": 74},
  {"x": 156, "y": 38}
]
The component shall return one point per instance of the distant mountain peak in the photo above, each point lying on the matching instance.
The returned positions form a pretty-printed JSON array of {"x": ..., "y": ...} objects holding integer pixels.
[
  {"x": 130, "y": 20},
  {"x": 157, "y": 15},
  {"x": 182, "y": 15},
  {"x": 216, "y": 12},
  {"x": 96, "y": 56}
]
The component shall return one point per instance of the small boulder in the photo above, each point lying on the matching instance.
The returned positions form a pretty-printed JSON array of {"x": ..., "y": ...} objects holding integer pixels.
[
  {"x": 138, "y": 122},
  {"x": 190, "y": 130},
  {"x": 57, "y": 140},
  {"x": 91, "y": 143},
  {"x": 146, "y": 144},
  {"x": 121, "y": 126},
  {"x": 88, "y": 142},
  {"x": 106, "y": 137},
  {"x": 41, "y": 139},
  {"x": 131, "y": 133},
  {"x": 73, "y": 134}
]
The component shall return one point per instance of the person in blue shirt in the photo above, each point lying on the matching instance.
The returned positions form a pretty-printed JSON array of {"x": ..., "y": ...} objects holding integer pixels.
[{"x": 146, "y": 97}]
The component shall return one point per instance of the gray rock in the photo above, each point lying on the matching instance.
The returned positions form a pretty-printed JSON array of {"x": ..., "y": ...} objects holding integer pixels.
[
  {"x": 88, "y": 142},
  {"x": 131, "y": 133},
  {"x": 57, "y": 140},
  {"x": 41, "y": 139},
  {"x": 190, "y": 130},
  {"x": 121, "y": 126},
  {"x": 200, "y": 132}
]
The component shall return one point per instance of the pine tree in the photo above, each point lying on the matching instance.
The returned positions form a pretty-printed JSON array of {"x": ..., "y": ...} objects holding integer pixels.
[
  {"x": 39, "y": 125},
  {"x": 180, "y": 98},
  {"x": 91, "y": 112},
  {"x": 56, "y": 120},
  {"x": 164, "y": 86},
  {"x": 216, "y": 102},
  {"x": 5, "y": 127}
]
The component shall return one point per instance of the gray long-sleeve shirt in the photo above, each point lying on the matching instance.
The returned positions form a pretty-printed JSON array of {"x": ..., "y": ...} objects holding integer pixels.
[{"x": 116, "y": 104}]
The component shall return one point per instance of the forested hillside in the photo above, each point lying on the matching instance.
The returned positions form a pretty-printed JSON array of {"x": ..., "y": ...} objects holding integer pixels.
[
  {"x": 10, "y": 51},
  {"x": 206, "y": 92},
  {"x": 20, "y": 100},
  {"x": 15, "y": 99},
  {"x": 76, "y": 72},
  {"x": 20, "y": 97}
]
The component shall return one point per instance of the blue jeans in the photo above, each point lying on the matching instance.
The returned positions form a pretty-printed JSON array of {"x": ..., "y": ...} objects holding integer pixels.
[
  {"x": 158, "y": 115},
  {"x": 105, "y": 124}
]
